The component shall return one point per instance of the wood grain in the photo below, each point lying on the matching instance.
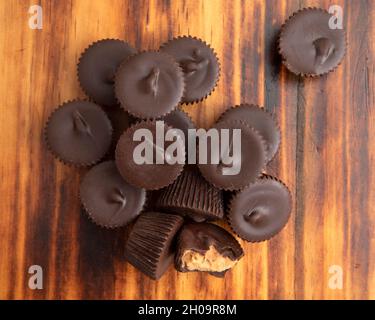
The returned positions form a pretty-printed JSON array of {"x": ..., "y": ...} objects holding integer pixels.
[{"x": 327, "y": 156}]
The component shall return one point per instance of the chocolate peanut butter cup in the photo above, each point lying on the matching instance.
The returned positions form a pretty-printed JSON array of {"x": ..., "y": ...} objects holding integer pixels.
[
  {"x": 179, "y": 119},
  {"x": 191, "y": 195},
  {"x": 260, "y": 211},
  {"x": 200, "y": 65},
  {"x": 108, "y": 199},
  {"x": 145, "y": 163},
  {"x": 151, "y": 243},
  {"x": 310, "y": 44},
  {"x": 78, "y": 133},
  {"x": 149, "y": 84},
  {"x": 260, "y": 120},
  {"x": 97, "y": 67},
  {"x": 208, "y": 248},
  {"x": 233, "y": 163}
]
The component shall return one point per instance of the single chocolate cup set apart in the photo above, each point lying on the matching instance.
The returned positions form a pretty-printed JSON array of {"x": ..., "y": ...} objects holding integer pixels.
[
  {"x": 310, "y": 44},
  {"x": 170, "y": 204}
]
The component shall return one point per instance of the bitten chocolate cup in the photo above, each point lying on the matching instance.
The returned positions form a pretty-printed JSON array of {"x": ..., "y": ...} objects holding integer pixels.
[
  {"x": 260, "y": 211},
  {"x": 78, "y": 133},
  {"x": 151, "y": 243},
  {"x": 192, "y": 196},
  {"x": 206, "y": 247},
  {"x": 248, "y": 152},
  {"x": 108, "y": 199},
  {"x": 149, "y": 85},
  {"x": 200, "y": 65},
  {"x": 260, "y": 120},
  {"x": 97, "y": 66},
  {"x": 147, "y": 173},
  {"x": 309, "y": 44}
]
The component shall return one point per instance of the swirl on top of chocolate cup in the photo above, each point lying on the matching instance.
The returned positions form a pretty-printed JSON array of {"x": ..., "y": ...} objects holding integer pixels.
[
  {"x": 78, "y": 133},
  {"x": 200, "y": 65},
  {"x": 149, "y": 84},
  {"x": 309, "y": 46},
  {"x": 261, "y": 210}
]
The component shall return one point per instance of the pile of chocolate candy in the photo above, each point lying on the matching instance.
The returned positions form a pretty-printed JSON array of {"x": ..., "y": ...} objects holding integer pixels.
[{"x": 171, "y": 207}]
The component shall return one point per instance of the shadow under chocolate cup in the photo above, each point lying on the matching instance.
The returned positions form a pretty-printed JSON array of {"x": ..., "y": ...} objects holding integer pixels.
[
  {"x": 192, "y": 196},
  {"x": 151, "y": 243}
]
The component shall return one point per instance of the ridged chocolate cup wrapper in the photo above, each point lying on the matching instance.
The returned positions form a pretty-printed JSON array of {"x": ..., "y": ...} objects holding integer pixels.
[
  {"x": 206, "y": 247},
  {"x": 108, "y": 199},
  {"x": 192, "y": 196},
  {"x": 78, "y": 133},
  {"x": 260, "y": 211},
  {"x": 309, "y": 46},
  {"x": 252, "y": 159},
  {"x": 150, "y": 176},
  {"x": 149, "y": 84},
  {"x": 151, "y": 243},
  {"x": 259, "y": 119},
  {"x": 97, "y": 66},
  {"x": 200, "y": 64}
]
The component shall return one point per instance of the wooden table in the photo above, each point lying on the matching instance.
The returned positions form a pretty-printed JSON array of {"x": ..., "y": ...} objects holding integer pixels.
[{"x": 327, "y": 155}]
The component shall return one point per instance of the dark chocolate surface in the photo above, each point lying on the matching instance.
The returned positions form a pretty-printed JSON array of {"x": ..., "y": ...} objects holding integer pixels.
[
  {"x": 261, "y": 121},
  {"x": 149, "y": 176},
  {"x": 79, "y": 133},
  {"x": 120, "y": 120},
  {"x": 108, "y": 199},
  {"x": 199, "y": 63},
  {"x": 261, "y": 210},
  {"x": 149, "y": 84},
  {"x": 252, "y": 158},
  {"x": 97, "y": 67},
  {"x": 308, "y": 44}
]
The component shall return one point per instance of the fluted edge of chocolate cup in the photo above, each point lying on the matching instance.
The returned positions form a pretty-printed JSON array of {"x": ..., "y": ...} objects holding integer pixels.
[
  {"x": 193, "y": 196},
  {"x": 148, "y": 240}
]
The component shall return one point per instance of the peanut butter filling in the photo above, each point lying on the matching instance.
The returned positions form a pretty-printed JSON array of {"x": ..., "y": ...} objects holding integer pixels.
[{"x": 211, "y": 261}]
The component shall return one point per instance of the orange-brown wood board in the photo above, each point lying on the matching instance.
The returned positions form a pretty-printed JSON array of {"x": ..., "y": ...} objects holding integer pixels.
[{"x": 327, "y": 155}]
